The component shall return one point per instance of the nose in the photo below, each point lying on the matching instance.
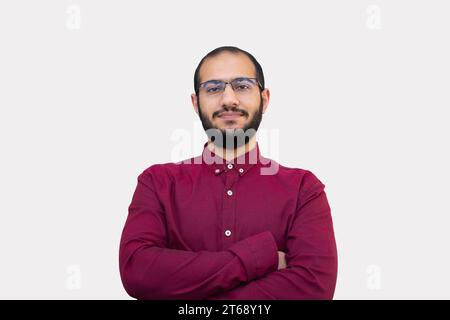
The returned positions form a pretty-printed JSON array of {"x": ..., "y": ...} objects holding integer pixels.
[{"x": 229, "y": 97}]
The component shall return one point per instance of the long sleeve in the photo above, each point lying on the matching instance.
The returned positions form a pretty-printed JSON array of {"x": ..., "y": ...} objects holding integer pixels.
[
  {"x": 311, "y": 255},
  {"x": 151, "y": 270}
]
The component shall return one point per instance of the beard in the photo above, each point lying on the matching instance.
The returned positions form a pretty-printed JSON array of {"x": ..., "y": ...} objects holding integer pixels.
[{"x": 231, "y": 138}]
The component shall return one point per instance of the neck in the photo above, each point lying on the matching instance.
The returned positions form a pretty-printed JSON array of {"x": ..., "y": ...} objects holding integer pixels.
[{"x": 230, "y": 154}]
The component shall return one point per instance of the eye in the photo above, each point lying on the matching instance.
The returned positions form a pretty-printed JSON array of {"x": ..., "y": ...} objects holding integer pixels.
[
  {"x": 213, "y": 89},
  {"x": 243, "y": 87}
]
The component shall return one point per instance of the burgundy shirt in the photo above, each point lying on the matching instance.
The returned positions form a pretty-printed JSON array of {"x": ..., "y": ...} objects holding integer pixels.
[{"x": 205, "y": 228}]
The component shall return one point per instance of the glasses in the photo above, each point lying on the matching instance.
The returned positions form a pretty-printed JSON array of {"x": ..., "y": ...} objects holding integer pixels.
[{"x": 239, "y": 85}]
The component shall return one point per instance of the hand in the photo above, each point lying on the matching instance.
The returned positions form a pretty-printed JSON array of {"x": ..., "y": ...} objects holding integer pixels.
[{"x": 281, "y": 260}]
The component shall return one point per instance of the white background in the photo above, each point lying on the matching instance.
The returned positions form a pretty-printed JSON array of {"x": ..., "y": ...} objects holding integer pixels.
[{"x": 91, "y": 93}]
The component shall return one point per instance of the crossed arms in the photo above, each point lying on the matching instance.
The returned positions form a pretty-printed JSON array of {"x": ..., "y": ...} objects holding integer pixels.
[{"x": 251, "y": 268}]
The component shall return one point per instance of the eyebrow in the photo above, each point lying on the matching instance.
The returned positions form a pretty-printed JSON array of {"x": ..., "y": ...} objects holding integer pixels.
[{"x": 227, "y": 80}]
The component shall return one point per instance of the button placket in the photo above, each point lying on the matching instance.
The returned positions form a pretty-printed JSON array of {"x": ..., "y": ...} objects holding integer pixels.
[{"x": 229, "y": 207}]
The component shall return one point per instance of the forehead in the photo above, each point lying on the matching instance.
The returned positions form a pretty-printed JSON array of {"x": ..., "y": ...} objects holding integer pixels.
[{"x": 225, "y": 66}]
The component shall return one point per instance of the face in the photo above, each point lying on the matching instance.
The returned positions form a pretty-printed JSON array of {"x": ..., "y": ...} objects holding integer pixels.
[{"x": 230, "y": 118}]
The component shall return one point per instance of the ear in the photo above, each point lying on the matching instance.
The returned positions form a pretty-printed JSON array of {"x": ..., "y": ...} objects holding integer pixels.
[
  {"x": 265, "y": 94},
  {"x": 194, "y": 102}
]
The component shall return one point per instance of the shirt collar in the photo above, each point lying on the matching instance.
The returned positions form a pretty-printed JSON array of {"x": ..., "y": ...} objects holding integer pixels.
[{"x": 241, "y": 164}]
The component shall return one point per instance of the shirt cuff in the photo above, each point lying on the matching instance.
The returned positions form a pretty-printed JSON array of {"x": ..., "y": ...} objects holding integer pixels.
[{"x": 258, "y": 253}]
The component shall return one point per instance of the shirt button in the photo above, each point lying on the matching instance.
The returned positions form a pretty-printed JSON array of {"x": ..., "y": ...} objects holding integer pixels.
[
  {"x": 230, "y": 166},
  {"x": 241, "y": 170},
  {"x": 229, "y": 192},
  {"x": 228, "y": 233},
  {"x": 217, "y": 171}
]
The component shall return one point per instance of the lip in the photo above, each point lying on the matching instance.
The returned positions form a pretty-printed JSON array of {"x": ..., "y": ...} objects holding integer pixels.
[{"x": 230, "y": 115}]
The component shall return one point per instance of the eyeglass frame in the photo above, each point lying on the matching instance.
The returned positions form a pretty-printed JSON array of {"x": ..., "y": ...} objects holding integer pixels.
[{"x": 229, "y": 82}]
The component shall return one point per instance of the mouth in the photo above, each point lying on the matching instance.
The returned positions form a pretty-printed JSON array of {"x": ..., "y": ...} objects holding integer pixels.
[{"x": 229, "y": 115}]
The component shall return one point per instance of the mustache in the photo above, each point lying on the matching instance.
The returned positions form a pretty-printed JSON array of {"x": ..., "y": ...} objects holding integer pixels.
[{"x": 218, "y": 113}]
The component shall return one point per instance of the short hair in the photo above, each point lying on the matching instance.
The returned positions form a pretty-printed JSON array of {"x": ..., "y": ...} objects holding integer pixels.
[{"x": 217, "y": 51}]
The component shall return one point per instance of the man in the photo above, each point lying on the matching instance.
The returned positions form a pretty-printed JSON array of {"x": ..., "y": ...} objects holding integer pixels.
[{"x": 226, "y": 224}]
